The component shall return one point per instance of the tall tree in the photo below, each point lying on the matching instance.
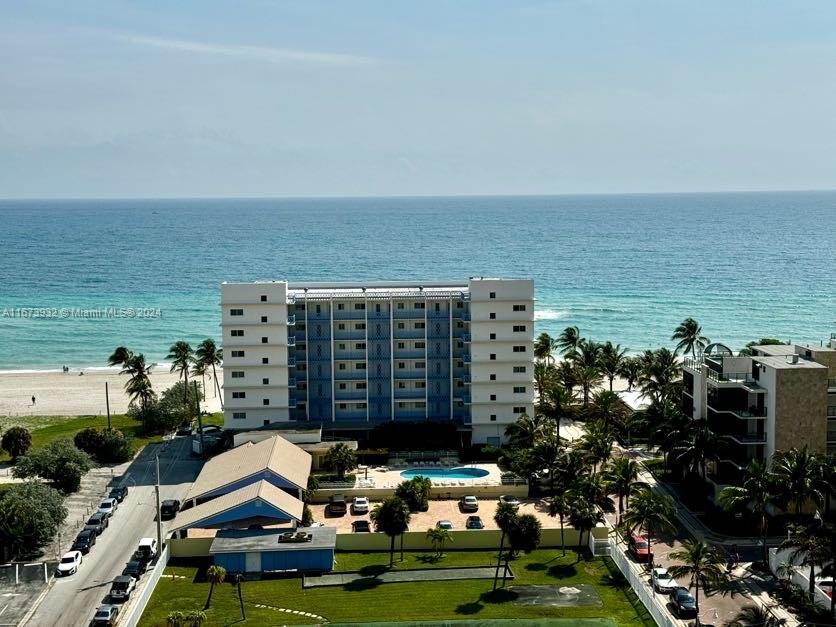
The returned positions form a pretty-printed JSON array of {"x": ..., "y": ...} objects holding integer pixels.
[
  {"x": 699, "y": 446},
  {"x": 504, "y": 517},
  {"x": 810, "y": 547},
  {"x": 630, "y": 369},
  {"x": 583, "y": 516},
  {"x": 439, "y": 537},
  {"x": 701, "y": 563},
  {"x": 690, "y": 337},
  {"x": 652, "y": 513},
  {"x": 621, "y": 476},
  {"x": 559, "y": 506},
  {"x": 215, "y": 575},
  {"x": 756, "y": 494},
  {"x": 797, "y": 474},
  {"x": 558, "y": 402},
  {"x": 608, "y": 408},
  {"x": 211, "y": 356},
  {"x": 596, "y": 443},
  {"x": 181, "y": 355},
  {"x": 392, "y": 518},
  {"x": 31, "y": 513},
  {"x": 569, "y": 340},
  {"x": 340, "y": 458},
  {"x": 544, "y": 346},
  {"x": 755, "y": 616},
  {"x": 120, "y": 356},
  {"x": 16, "y": 442},
  {"x": 612, "y": 360},
  {"x": 526, "y": 430}
]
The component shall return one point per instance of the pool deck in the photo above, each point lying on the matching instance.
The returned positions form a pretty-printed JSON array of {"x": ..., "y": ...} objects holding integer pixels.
[{"x": 391, "y": 477}]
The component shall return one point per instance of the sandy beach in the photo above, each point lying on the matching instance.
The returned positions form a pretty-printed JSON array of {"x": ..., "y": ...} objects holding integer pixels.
[{"x": 73, "y": 394}]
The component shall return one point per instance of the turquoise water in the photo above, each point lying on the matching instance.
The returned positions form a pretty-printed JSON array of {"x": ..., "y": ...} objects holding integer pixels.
[
  {"x": 445, "y": 473},
  {"x": 626, "y": 268}
]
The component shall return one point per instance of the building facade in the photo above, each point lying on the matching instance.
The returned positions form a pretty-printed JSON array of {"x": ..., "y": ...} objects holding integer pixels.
[
  {"x": 779, "y": 397},
  {"x": 352, "y": 355}
]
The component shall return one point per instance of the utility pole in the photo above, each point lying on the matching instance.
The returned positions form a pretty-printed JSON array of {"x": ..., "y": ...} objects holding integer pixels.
[
  {"x": 199, "y": 420},
  {"x": 107, "y": 402},
  {"x": 159, "y": 521}
]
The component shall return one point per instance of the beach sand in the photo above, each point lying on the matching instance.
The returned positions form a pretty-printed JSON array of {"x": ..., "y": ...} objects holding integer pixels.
[{"x": 71, "y": 394}]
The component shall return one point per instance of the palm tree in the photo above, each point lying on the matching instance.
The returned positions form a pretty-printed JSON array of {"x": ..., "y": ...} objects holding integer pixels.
[
  {"x": 210, "y": 356},
  {"x": 340, "y": 458},
  {"x": 139, "y": 389},
  {"x": 755, "y": 616},
  {"x": 621, "y": 476},
  {"x": 699, "y": 447},
  {"x": 702, "y": 564},
  {"x": 658, "y": 375},
  {"x": 596, "y": 443},
  {"x": 612, "y": 360},
  {"x": 181, "y": 356},
  {"x": 630, "y": 369},
  {"x": 504, "y": 517},
  {"x": 175, "y": 619},
  {"x": 608, "y": 407},
  {"x": 199, "y": 370},
  {"x": 630, "y": 422},
  {"x": 526, "y": 430},
  {"x": 543, "y": 377},
  {"x": 215, "y": 575},
  {"x": 569, "y": 340},
  {"x": 689, "y": 334},
  {"x": 548, "y": 453},
  {"x": 798, "y": 477},
  {"x": 559, "y": 506},
  {"x": 196, "y": 618},
  {"x": 558, "y": 401},
  {"x": 757, "y": 494},
  {"x": 588, "y": 377},
  {"x": 119, "y": 357},
  {"x": 439, "y": 537},
  {"x": 809, "y": 545},
  {"x": 651, "y": 512},
  {"x": 544, "y": 346},
  {"x": 583, "y": 516},
  {"x": 392, "y": 518}
]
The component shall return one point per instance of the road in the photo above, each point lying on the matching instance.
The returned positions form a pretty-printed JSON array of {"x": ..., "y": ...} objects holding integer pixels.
[{"x": 73, "y": 600}]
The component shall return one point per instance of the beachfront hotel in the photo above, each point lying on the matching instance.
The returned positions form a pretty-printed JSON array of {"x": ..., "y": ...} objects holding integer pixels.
[
  {"x": 779, "y": 397},
  {"x": 348, "y": 356}
]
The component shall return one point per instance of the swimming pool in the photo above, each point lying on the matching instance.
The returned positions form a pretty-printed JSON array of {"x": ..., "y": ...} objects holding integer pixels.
[{"x": 445, "y": 473}]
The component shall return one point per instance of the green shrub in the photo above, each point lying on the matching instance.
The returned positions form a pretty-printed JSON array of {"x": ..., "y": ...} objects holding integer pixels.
[
  {"x": 415, "y": 493},
  {"x": 30, "y": 515},
  {"x": 59, "y": 462},
  {"x": 16, "y": 441}
]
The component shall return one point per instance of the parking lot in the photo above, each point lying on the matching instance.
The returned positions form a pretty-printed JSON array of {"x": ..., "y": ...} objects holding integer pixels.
[{"x": 20, "y": 585}]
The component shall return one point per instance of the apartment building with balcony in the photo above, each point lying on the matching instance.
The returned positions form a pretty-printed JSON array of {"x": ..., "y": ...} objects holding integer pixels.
[
  {"x": 779, "y": 397},
  {"x": 352, "y": 355}
]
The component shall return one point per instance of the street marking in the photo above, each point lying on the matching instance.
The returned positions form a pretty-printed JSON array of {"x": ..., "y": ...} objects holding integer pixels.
[{"x": 3, "y": 611}]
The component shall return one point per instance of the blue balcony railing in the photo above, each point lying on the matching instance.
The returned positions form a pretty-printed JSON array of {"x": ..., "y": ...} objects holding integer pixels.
[
  {"x": 291, "y": 382},
  {"x": 291, "y": 361},
  {"x": 466, "y": 358},
  {"x": 465, "y": 337},
  {"x": 291, "y": 319},
  {"x": 291, "y": 340},
  {"x": 291, "y": 403}
]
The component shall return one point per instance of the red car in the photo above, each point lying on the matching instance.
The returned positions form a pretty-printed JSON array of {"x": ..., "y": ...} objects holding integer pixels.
[{"x": 640, "y": 549}]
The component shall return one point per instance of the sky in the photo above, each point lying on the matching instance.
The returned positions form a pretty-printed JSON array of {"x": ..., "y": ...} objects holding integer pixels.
[{"x": 187, "y": 98}]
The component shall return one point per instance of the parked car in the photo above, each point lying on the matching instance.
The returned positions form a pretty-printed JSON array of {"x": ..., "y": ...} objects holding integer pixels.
[
  {"x": 360, "y": 505},
  {"x": 122, "y": 588},
  {"x": 146, "y": 550},
  {"x": 98, "y": 522},
  {"x": 169, "y": 509},
  {"x": 105, "y": 616},
  {"x": 469, "y": 504},
  {"x": 108, "y": 506},
  {"x": 135, "y": 568},
  {"x": 662, "y": 581},
  {"x": 474, "y": 522},
  {"x": 69, "y": 564},
  {"x": 510, "y": 500},
  {"x": 209, "y": 429},
  {"x": 361, "y": 526},
  {"x": 444, "y": 524},
  {"x": 337, "y": 505},
  {"x": 184, "y": 430},
  {"x": 640, "y": 549},
  {"x": 119, "y": 493},
  {"x": 684, "y": 604},
  {"x": 84, "y": 541}
]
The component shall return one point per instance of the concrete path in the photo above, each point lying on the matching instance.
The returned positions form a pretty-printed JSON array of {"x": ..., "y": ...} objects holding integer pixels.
[{"x": 402, "y": 576}]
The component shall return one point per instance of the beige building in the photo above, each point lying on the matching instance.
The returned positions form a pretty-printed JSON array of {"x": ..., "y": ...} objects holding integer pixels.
[{"x": 779, "y": 397}]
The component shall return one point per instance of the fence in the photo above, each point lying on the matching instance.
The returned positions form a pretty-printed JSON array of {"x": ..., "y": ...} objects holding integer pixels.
[
  {"x": 16, "y": 573},
  {"x": 798, "y": 575},
  {"x": 639, "y": 581},
  {"x": 138, "y": 603}
]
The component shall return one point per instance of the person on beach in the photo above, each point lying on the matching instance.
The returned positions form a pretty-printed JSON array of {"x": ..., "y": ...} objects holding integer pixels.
[{"x": 33, "y": 399}]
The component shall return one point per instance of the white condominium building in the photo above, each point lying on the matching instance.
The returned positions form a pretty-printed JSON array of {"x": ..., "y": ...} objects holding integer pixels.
[{"x": 349, "y": 356}]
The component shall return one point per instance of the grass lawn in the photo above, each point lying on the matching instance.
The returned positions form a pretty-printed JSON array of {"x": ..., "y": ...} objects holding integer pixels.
[
  {"x": 464, "y": 599},
  {"x": 44, "y": 429}
]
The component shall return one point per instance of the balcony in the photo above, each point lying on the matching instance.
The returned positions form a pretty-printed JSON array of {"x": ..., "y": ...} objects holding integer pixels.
[
  {"x": 692, "y": 364},
  {"x": 466, "y": 358},
  {"x": 291, "y": 340},
  {"x": 291, "y": 382},
  {"x": 410, "y": 395},
  {"x": 349, "y": 375},
  {"x": 409, "y": 314},
  {"x": 291, "y": 300},
  {"x": 466, "y": 378},
  {"x": 438, "y": 315},
  {"x": 747, "y": 438},
  {"x": 353, "y": 395},
  {"x": 461, "y": 315},
  {"x": 291, "y": 362},
  {"x": 291, "y": 319},
  {"x": 743, "y": 414},
  {"x": 291, "y": 403},
  {"x": 831, "y": 385},
  {"x": 465, "y": 337},
  {"x": 743, "y": 379},
  {"x": 346, "y": 355},
  {"x": 411, "y": 374}
]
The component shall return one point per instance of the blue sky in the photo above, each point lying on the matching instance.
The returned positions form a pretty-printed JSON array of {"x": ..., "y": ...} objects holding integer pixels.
[{"x": 259, "y": 98}]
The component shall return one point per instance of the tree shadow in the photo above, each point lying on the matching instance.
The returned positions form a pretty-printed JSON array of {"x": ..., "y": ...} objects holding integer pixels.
[
  {"x": 429, "y": 559},
  {"x": 359, "y": 585},
  {"x": 469, "y": 608},
  {"x": 536, "y": 566},
  {"x": 500, "y": 595},
  {"x": 373, "y": 570},
  {"x": 562, "y": 571}
]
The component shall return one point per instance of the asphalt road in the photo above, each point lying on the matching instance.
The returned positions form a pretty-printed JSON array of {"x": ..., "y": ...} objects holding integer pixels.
[{"x": 73, "y": 600}]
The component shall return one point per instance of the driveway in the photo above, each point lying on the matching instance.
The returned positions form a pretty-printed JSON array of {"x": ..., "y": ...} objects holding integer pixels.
[{"x": 73, "y": 600}]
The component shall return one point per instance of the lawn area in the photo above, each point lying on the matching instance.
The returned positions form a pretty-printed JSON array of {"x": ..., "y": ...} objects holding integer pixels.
[
  {"x": 44, "y": 429},
  {"x": 464, "y": 599}
]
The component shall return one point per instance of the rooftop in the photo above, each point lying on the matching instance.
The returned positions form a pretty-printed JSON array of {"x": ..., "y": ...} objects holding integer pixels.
[
  {"x": 252, "y": 540},
  {"x": 781, "y": 362}
]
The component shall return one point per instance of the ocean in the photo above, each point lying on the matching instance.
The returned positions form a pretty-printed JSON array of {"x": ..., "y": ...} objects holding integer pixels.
[{"x": 80, "y": 277}]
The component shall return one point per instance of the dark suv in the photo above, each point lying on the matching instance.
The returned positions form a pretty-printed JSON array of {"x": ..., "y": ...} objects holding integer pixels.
[
  {"x": 84, "y": 541},
  {"x": 337, "y": 505},
  {"x": 98, "y": 522},
  {"x": 119, "y": 493},
  {"x": 169, "y": 508}
]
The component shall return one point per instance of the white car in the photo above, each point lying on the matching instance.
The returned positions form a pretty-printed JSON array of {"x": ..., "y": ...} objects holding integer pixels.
[
  {"x": 360, "y": 504},
  {"x": 69, "y": 563},
  {"x": 662, "y": 581},
  {"x": 147, "y": 549},
  {"x": 108, "y": 507}
]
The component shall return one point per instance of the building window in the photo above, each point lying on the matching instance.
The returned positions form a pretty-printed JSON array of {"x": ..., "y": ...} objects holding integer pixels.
[
  {"x": 360, "y": 326},
  {"x": 420, "y": 365},
  {"x": 264, "y": 318},
  {"x": 265, "y": 381},
  {"x": 341, "y": 327},
  {"x": 401, "y": 345},
  {"x": 377, "y": 307},
  {"x": 493, "y": 417},
  {"x": 361, "y": 386},
  {"x": 265, "y": 360},
  {"x": 493, "y": 336},
  {"x": 263, "y": 340},
  {"x": 341, "y": 347},
  {"x": 237, "y": 333},
  {"x": 360, "y": 366},
  {"x": 340, "y": 306},
  {"x": 493, "y": 376},
  {"x": 236, "y": 312},
  {"x": 361, "y": 406},
  {"x": 359, "y": 306},
  {"x": 264, "y": 298},
  {"x": 493, "y": 357},
  {"x": 266, "y": 422},
  {"x": 519, "y": 349},
  {"x": 493, "y": 397},
  {"x": 237, "y": 353},
  {"x": 401, "y": 325},
  {"x": 519, "y": 369},
  {"x": 342, "y": 405},
  {"x": 420, "y": 305},
  {"x": 265, "y": 401},
  {"x": 419, "y": 325},
  {"x": 399, "y": 305},
  {"x": 401, "y": 365},
  {"x": 492, "y": 295},
  {"x": 519, "y": 410},
  {"x": 237, "y": 374},
  {"x": 401, "y": 385},
  {"x": 519, "y": 307},
  {"x": 420, "y": 385},
  {"x": 239, "y": 415},
  {"x": 420, "y": 404},
  {"x": 342, "y": 386},
  {"x": 519, "y": 389},
  {"x": 301, "y": 367},
  {"x": 239, "y": 395},
  {"x": 360, "y": 346},
  {"x": 492, "y": 315},
  {"x": 340, "y": 366},
  {"x": 420, "y": 345},
  {"x": 519, "y": 328},
  {"x": 459, "y": 364}
]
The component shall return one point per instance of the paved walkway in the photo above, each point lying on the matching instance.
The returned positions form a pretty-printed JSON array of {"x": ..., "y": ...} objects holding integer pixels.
[{"x": 402, "y": 576}]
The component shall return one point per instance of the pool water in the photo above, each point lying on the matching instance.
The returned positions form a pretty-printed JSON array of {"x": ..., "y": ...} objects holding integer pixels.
[{"x": 445, "y": 473}]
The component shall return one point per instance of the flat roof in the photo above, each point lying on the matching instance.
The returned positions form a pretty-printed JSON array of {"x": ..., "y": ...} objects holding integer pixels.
[
  {"x": 275, "y": 454},
  {"x": 775, "y": 349},
  {"x": 263, "y": 490},
  {"x": 780, "y": 362},
  {"x": 252, "y": 540}
]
